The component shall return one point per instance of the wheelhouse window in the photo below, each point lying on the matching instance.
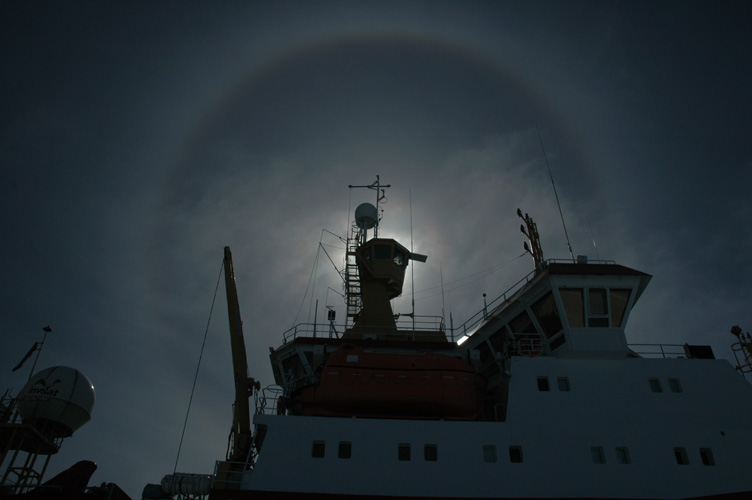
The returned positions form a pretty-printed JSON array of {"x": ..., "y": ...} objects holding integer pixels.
[
  {"x": 431, "y": 452},
  {"x": 522, "y": 324},
  {"x": 383, "y": 252},
  {"x": 563, "y": 383},
  {"x": 399, "y": 257},
  {"x": 489, "y": 453},
  {"x": 515, "y": 454},
  {"x": 574, "y": 306},
  {"x": 547, "y": 315},
  {"x": 403, "y": 452},
  {"x": 597, "y": 307},
  {"x": 619, "y": 300}
]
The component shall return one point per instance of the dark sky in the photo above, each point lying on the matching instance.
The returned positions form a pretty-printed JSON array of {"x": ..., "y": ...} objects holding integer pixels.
[{"x": 138, "y": 139}]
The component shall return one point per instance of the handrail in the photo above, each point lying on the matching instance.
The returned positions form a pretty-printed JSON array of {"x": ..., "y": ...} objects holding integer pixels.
[
  {"x": 323, "y": 330},
  {"x": 658, "y": 350},
  {"x": 466, "y": 329}
]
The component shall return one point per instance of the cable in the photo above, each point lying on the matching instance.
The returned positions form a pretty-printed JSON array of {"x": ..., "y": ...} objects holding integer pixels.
[{"x": 195, "y": 378}]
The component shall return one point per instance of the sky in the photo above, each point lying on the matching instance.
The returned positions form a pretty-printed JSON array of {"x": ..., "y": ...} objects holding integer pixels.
[{"x": 137, "y": 139}]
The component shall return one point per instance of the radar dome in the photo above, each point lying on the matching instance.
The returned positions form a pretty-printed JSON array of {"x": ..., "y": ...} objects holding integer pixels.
[
  {"x": 366, "y": 216},
  {"x": 57, "y": 401}
]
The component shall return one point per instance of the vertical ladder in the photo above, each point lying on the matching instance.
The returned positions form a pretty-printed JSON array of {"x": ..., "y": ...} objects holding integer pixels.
[{"x": 353, "y": 297}]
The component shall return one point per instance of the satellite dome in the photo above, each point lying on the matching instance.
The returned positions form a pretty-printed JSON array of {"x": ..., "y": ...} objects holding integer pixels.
[
  {"x": 57, "y": 401},
  {"x": 366, "y": 216}
]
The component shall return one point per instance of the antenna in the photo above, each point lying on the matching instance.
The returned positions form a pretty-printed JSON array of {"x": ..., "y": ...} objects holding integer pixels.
[
  {"x": 555, "y": 193},
  {"x": 412, "y": 268},
  {"x": 380, "y": 195}
]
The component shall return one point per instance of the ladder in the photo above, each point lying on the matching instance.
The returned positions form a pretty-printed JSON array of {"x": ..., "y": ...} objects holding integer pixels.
[{"x": 353, "y": 297}]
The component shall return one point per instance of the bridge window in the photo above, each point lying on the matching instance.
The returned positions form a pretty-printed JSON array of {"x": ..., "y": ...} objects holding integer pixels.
[
  {"x": 597, "y": 307},
  {"x": 547, "y": 315},
  {"x": 399, "y": 257},
  {"x": 556, "y": 342},
  {"x": 489, "y": 453},
  {"x": 681, "y": 456},
  {"x": 563, "y": 383},
  {"x": 431, "y": 452},
  {"x": 383, "y": 252},
  {"x": 403, "y": 452},
  {"x": 597, "y": 453},
  {"x": 619, "y": 300},
  {"x": 522, "y": 324},
  {"x": 574, "y": 308}
]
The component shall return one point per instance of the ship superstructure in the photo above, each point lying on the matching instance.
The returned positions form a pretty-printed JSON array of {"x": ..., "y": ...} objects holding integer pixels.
[{"x": 539, "y": 395}]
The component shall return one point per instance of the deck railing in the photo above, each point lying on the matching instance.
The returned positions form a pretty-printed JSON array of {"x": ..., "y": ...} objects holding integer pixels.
[
  {"x": 421, "y": 325},
  {"x": 658, "y": 350}
]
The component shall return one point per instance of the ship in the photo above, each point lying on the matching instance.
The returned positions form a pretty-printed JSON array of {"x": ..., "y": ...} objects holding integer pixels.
[{"x": 537, "y": 396}]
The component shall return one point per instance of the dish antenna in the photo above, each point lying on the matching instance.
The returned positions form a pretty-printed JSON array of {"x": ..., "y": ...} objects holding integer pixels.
[{"x": 366, "y": 216}]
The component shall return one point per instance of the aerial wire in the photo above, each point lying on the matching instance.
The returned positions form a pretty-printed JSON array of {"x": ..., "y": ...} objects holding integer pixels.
[
  {"x": 555, "y": 193},
  {"x": 198, "y": 366}
]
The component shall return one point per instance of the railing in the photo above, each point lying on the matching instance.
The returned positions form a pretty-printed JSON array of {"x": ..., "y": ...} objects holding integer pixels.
[
  {"x": 467, "y": 328},
  {"x": 658, "y": 350},
  {"x": 269, "y": 402},
  {"x": 421, "y": 325},
  {"x": 229, "y": 475}
]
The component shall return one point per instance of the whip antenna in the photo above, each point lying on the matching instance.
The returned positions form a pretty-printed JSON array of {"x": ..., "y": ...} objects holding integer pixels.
[{"x": 555, "y": 193}]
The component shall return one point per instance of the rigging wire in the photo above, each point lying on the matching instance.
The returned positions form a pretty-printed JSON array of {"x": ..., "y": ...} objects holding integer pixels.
[
  {"x": 475, "y": 277},
  {"x": 551, "y": 175},
  {"x": 310, "y": 278},
  {"x": 198, "y": 366}
]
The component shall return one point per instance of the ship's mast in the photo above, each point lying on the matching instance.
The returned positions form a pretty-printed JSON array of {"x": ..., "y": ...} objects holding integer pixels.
[{"x": 380, "y": 195}]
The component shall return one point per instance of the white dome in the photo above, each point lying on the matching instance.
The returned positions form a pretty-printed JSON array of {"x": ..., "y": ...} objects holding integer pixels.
[
  {"x": 57, "y": 400},
  {"x": 366, "y": 216}
]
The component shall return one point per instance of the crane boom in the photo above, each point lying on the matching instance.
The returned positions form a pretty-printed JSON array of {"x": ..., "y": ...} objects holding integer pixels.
[{"x": 240, "y": 436}]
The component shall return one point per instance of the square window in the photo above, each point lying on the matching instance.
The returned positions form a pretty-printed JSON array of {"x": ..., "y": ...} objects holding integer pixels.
[
  {"x": 572, "y": 299},
  {"x": 403, "y": 452},
  {"x": 598, "y": 303},
  {"x": 681, "y": 456},
  {"x": 622, "y": 455},
  {"x": 543, "y": 384},
  {"x": 345, "y": 449},
  {"x": 599, "y": 457},
  {"x": 706, "y": 454},
  {"x": 489, "y": 453},
  {"x": 431, "y": 452},
  {"x": 318, "y": 449},
  {"x": 674, "y": 385},
  {"x": 563, "y": 383},
  {"x": 515, "y": 454},
  {"x": 655, "y": 385}
]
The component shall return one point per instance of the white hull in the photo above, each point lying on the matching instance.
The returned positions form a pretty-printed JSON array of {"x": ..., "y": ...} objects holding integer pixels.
[{"x": 610, "y": 405}]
